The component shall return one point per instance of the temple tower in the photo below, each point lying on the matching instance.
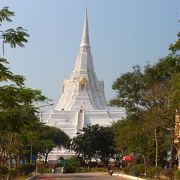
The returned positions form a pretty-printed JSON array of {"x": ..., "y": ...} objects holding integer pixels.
[
  {"x": 83, "y": 90},
  {"x": 82, "y": 101}
]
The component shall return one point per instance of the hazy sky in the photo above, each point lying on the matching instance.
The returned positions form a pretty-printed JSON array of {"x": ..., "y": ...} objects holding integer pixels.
[{"x": 123, "y": 33}]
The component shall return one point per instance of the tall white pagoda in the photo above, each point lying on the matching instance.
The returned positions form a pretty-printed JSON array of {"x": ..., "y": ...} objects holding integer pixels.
[{"x": 82, "y": 101}]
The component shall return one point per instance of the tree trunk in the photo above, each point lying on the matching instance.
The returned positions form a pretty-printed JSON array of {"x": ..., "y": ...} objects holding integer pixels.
[
  {"x": 11, "y": 136},
  {"x": 10, "y": 160},
  {"x": 3, "y": 150},
  {"x": 10, "y": 165},
  {"x": 145, "y": 165},
  {"x": 46, "y": 156},
  {"x": 17, "y": 161},
  {"x": 172, "y": 149},
  {"x": 89, "y": 163},
  {"x": 31, "y": 153},
  {"x": 156, "y": 140},
  {"x": 178, "y": 151},
  {"x": 1, "y": 155}
]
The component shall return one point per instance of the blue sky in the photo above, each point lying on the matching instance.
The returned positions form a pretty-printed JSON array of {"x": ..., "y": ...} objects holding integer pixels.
[{"x": 123, "y": 33}]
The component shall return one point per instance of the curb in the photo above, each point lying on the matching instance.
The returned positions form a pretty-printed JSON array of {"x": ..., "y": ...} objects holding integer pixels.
[
  {"x": 31, "y": 178},
  {"x": 127, "y": 176}
]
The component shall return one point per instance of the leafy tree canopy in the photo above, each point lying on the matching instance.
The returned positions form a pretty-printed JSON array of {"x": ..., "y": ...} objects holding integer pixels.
[
  {"x": 150, "y": 97},
  {"x": 94, "y": 142}
]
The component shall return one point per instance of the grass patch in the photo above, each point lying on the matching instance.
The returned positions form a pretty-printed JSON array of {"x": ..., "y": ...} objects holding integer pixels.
[{"x": 46, "y": 170}]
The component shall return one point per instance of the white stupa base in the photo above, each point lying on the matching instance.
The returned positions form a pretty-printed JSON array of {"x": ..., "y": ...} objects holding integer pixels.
[
  {"x": 73, "y": 121},
  {"x": 56, "y": 153}
]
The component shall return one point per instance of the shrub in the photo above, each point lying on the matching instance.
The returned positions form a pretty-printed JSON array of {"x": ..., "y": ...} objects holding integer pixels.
[
  {"x": 128, "y": 169},
  {"x": 19, "y": 170},
  {"x": 152, "y": 171},
  {"x": 46, "y": 170},
  {"x": 12, "y": 173},
  {"x": 80, "y": 160},
  {"x": 138, "y": 169},
  {"x": 3, "y": 171},
  {"x": 177, "y": 174},
  {"x": 168, "y": 173},
  {"x": 71, "y": 166},
  {"x": 28, "y": 168}
]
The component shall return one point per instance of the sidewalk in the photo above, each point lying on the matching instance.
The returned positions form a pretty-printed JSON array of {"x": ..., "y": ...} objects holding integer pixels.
[
  {"x": 127, "y": 176},
  {"x": 32, "y": 177}
]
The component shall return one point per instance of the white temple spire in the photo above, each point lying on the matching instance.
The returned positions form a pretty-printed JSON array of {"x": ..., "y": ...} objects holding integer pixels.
[
  {"x": 85, "y": 35},
  {"x": 82, "y": 101},
  {"x": 82, "y": 89}
]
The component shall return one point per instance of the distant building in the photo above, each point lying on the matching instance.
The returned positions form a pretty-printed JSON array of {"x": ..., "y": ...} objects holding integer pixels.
[{"x": 82, "y": 101}]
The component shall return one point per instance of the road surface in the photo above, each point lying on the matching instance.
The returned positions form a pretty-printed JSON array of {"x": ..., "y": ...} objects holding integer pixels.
[{"x": 80, "y": 176}]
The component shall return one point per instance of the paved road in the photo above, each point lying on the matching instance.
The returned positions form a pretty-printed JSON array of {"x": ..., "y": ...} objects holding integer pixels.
[{"x": 80, "y": 176}]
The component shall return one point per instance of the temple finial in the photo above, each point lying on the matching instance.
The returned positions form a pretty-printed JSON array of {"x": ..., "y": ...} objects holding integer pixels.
[{"x": 85, "y": 35}]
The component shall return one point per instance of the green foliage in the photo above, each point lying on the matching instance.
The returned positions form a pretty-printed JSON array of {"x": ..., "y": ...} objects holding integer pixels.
[
  {"x": 94, "y": 142},
  {"x": 5, "y": 14},
  {"x": 133, "y": 137},
  {"x": 128, "y": 169},
  {"x": 50, "y": 137},
  {"x": 128, "y": 88},
  {"x": 139, "y": 91},
  {"x": 3, "y": 171},
  {"x": 175, "y": 48},
  {"x": 6, "y": 75},
  {"x": 134, "y": 169},
  {"x": 28, "y": 168},
  {"x": 12, "y": 36},
  {"x": 18, "y": 114},
  {"x": 150, "y": 97},
  {"x": 12, "y": 173},
  {"x": 71, "y": 166},
  {"x": 139, "y": 169},
  {"x": 15, "y": 37},
  {"x": 177, "y": 174},
  {"x": 153, "y": 171},
  {"x": 46, "y": 170}
]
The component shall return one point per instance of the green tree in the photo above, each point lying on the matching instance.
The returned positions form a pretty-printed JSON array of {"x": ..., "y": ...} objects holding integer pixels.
[
  {"x": 17, "y": 113},
  {"x": 153, "y": 93},
  {"x": 128, "y": 88},
  {"x": 14, "y": 37},
  {"x": 17, "y": 110},
  {"x": 131, "y": 139},
  {"x": 51, "y": 137},
  {"x": 94, "y": 142}
]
